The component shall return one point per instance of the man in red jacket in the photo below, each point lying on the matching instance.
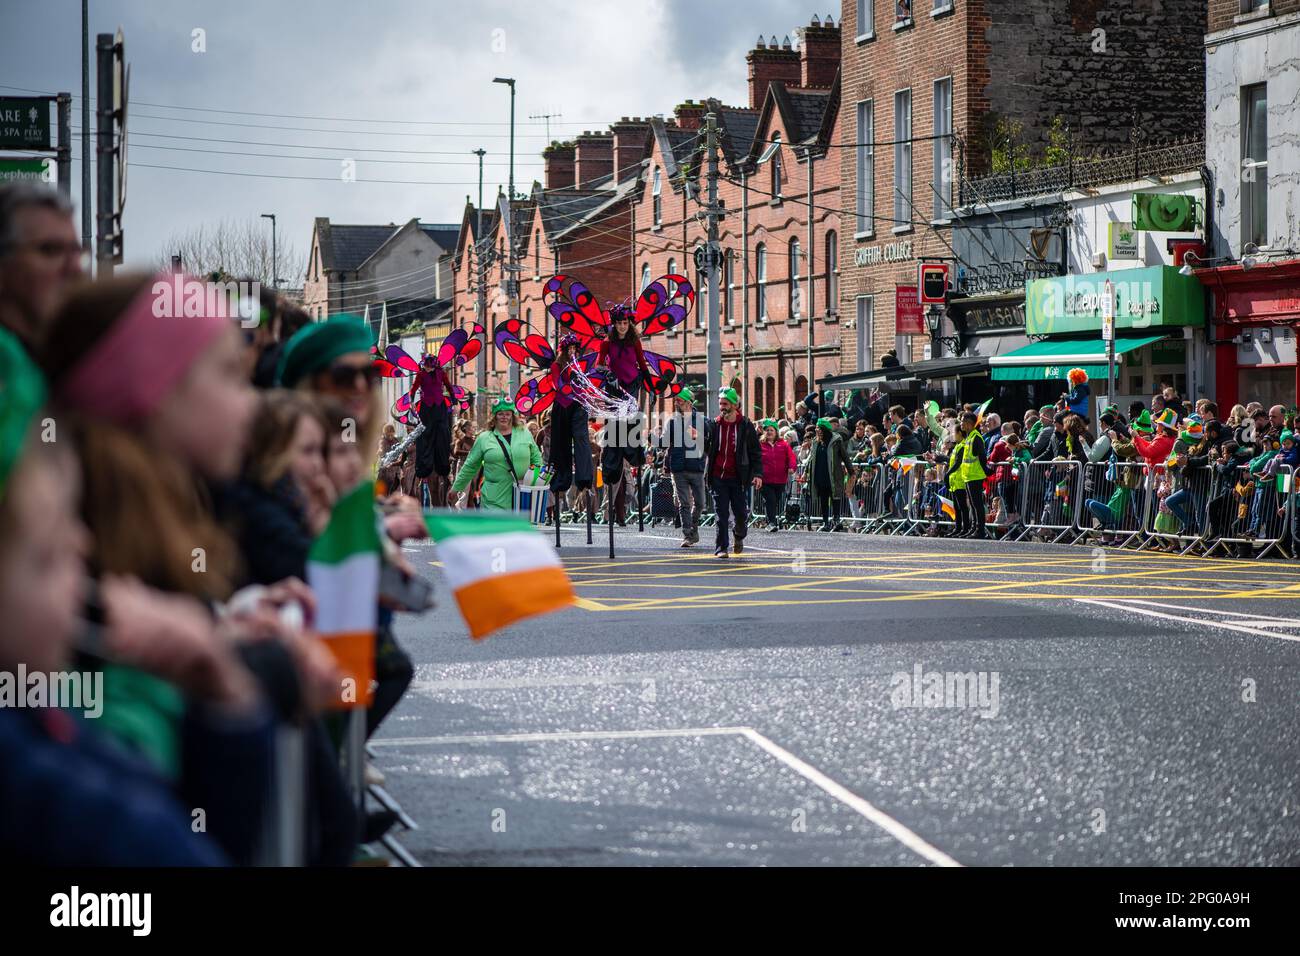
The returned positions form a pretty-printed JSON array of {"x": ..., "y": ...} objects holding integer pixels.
[{"x": 735, "y": 463}]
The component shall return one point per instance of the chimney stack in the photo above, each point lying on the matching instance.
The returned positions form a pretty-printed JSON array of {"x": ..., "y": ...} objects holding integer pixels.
[
  {"x": 819, "y": 55},
  {"x": 593, "y": 158},
  {"x": 690, "y": 114},
  {"x": 558, "y": 159},
  {"x": 768, "y": 62},
  {"x": 631, "y": 136}
]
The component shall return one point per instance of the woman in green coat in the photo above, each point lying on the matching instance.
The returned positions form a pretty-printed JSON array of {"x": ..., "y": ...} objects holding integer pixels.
[
  {"x": 488, "y": 455},
  {"x": 828, "y": 466}
]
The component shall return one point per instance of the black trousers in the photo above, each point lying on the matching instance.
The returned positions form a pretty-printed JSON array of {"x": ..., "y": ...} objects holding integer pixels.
[
  {"x": 433, "y": 447},
  {"x": 828, "y": 504},
  {"x": 975, "y": 503},
  {"x": 571, "y": 448},
  {"x": 622, "y": 441},
  {"x": 961, "y": 504},
  {"x": 728, "y": 500},
  {"x": 772, "y": 502}
]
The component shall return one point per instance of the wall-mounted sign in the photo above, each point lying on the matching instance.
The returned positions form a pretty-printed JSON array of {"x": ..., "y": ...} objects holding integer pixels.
[
  {"x": 1002, "y": 276},
  {"x": 25, "y": 170},
  {"x": 900, "y": 251},
  {"x": 933, "y": 282},
  {"x": 909, "y": 315},
  {"x": 989, "y": 317},
  {"x": 1144, "y": 298},
  {"x": 25, "y": 122},
  {"x": 1122, "y": 241}
]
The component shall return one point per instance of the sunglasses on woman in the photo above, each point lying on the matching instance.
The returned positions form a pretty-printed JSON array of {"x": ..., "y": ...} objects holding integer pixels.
[{"x": 345, "y": 376}]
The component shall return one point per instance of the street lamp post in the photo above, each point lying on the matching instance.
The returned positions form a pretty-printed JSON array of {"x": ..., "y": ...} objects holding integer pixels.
[
  {"x": 275, "y": 260},
  {"x": 512, "y": 284}
]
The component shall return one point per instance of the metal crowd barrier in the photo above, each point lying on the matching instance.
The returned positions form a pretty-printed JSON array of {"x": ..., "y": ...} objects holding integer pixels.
[
  {"x": 1161, "y": 525},
  {"x": 1050, "y": 497},
  {"x": 1260, "y": 519},
  {"x": 1102, "y": 480}
]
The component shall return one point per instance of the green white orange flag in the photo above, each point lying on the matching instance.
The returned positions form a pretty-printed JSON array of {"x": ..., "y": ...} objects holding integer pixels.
[
  {"x": 982, "y": 411},
  {"x": 343, "y": 571},
  {"x": 500, "y": 568},
  {"x": 947, "y": 506}
]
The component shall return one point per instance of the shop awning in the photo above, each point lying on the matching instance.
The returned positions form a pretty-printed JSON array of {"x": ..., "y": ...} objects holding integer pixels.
[
  {"x": 862, "y": 379},
  {"x": 950, "y": 367},
  {"x": 1053, "y": 358}
]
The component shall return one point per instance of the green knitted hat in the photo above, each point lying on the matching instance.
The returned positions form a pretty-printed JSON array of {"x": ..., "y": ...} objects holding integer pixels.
[
  {"x": 771, "y": 423},
  {"x": 22, "y": 393},
  {"x": 824, "y": 423},
  {"x": 686, "y": 395},
  {"x": 730, "y": 395},
  {"x": 1143, "y": 422},
  {"x": 315, "y": 346}
]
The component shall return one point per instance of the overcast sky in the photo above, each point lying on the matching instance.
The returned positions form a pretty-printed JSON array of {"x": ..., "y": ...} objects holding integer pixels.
[{"x": 352, "y": 62}]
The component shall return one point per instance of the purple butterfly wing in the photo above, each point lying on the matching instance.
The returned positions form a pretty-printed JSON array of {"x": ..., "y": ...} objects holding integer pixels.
[{"x": 664, "y": 304}]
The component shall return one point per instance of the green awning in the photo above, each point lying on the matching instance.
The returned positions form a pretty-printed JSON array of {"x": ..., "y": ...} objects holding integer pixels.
[{"x": 1053, "y": 358}]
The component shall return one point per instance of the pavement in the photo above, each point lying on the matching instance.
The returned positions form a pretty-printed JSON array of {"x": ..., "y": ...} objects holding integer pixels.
[{"x": 845, "y": 700}]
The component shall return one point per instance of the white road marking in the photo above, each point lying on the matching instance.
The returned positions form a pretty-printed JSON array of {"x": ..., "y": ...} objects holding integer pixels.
[
  {"x": 1255, "y": 619},
  {"x": 1227, "y": 625},
  {"x": 884, "y": 821}
]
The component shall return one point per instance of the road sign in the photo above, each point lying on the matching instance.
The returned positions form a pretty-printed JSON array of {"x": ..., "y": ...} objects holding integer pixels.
[
  {"x": 932, "y": 280},
  {"x": 25, "y": 122},
  {"x": 28, "y": 170},
  {"x": 1108, "y": 312}
]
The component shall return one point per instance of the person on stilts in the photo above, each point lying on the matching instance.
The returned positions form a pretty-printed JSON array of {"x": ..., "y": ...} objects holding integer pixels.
[
  {"x": 433, "y": 446},
  {"x": 570, "y": 426}
]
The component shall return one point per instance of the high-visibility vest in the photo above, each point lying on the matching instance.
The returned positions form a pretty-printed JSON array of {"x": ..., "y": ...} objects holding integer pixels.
[
  {"x": 970, "y": 465},
  {"x": 955, "y": 480}
]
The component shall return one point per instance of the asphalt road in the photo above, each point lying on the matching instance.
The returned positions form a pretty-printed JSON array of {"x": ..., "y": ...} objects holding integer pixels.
[{"x": 772, "y": 709}]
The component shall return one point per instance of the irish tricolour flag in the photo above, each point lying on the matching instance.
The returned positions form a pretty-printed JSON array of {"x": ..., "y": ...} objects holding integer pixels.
[
  {"x": 499, "y": 566},
  {"x": 343, "y": 571}
]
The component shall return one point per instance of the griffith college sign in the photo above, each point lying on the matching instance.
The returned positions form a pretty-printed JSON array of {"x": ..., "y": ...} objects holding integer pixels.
[{"x": 899, "y": 251}]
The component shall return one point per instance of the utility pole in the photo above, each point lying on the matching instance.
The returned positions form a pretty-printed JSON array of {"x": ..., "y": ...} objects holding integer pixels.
[
  {"x": 480, "y": 363},
  {"x": 275, "y": 260},
  {"x": 512, "y": 282},
  {"x": 713, "y": 380},
  {"x": 812, "y": 298},
  {"x": 85, "y": 125},
  {"x": 104, "y": 158},
  {"x": 744, "y": 275}
]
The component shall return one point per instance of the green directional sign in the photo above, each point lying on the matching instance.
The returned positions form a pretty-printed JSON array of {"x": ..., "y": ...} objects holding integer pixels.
[
  {"x": 31, "y": 170},
  {"x": 25, "y": 122}
]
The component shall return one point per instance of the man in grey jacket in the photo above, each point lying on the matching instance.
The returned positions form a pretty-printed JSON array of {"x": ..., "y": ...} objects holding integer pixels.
[{"x": 684, "y": 458}]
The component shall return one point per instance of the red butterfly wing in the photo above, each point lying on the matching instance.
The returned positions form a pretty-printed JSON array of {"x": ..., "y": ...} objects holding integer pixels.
[
  {"x": 573, "y": 306},
  {"x": 531, "y": 349},
  {"x": 662, "y": 371},
  {"x": 535, "y": 395},
  {"x": 664, "y": 304},
  {"x": 397, "y": 355}
]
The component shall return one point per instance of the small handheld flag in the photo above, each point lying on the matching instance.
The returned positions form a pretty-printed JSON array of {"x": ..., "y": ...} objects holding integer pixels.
[
  {"x": 947, "y": 507},
  {"x": 500, "y": 568}
]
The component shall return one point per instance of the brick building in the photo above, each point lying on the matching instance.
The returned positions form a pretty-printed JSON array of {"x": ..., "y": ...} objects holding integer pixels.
[
  {"x": 772, "y": 301},
  {"x": 937, "y": 91}
]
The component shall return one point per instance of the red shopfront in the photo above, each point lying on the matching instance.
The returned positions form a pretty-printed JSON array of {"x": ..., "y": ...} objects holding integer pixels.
[{"x": 1259, "y": 308}]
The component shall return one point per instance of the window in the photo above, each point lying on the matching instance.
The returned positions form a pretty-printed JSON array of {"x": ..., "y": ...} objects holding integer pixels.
[
  {"x": 800, "y": 388},
  {"x": 941, "y": 6},
  {"x": 645, "y": 277},
  {"x": 672, "y": 267},
  {"x": 537, "y": 253},
  {"x": 866, "y": 19},
  {"x": 796, "y": 303},
  {"x": 865, "y": 321},
  {"x": 771, "y": 396},
  {"x": 943, "y": 148},
  {"x": 728, "y": 279},
  {"x": 1254, "y": 164},
  {"x": 757, "y": 393},
  {"x": 776, "y": 169},
  {"x": 902, "y": 11},
  {"x": 1253, "y": 6},
  {"x": 866, "y": 224},
  {"x": 832, "y": 283},
  {"x": 760, "y": 281},
  {"x": 658, "y": 200},
  {"x": 902, "y": 158}
]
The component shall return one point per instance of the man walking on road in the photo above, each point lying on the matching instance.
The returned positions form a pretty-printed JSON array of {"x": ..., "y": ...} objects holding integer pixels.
[
  {"x": 735, "y": 463},
  {"x": 684, "y": 438}
]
